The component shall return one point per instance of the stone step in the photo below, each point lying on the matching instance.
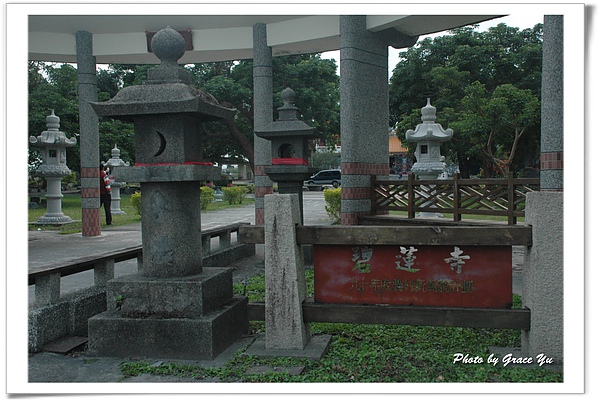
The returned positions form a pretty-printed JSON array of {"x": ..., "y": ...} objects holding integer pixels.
[{"x": 64, "y": 345}]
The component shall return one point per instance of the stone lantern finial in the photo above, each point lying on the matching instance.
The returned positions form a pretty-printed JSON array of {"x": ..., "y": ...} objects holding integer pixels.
[
  {"x": 169, "y": 46},
  {"x": 428, "y": 112},
  {"x": 52, "y": 121},
  {"x": 288, "y": 111}
]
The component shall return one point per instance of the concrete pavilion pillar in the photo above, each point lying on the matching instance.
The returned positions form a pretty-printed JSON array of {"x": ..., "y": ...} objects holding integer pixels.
[
  {"x": 364, "y": 110},
  {"x": 544, "y": 264},
  {"x": 89, "y": 136},
  {"x": 263, "y": 115}
]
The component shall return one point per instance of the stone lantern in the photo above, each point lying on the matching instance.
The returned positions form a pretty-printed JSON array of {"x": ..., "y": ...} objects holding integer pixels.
[
  {"x": 430, "y": 163},
  {"x": 174, "y": 307},
  {"x": 115, "y": 161},
  {"x": 53, "y": 145},
  {"x": 289, "y": 138},
  {"x": 428, "y": 136}
]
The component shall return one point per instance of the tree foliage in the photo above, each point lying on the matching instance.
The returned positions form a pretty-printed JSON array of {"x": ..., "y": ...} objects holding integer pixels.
[
  {"x": 486, "y": 86},
  {"x": 54, "y": 86}
]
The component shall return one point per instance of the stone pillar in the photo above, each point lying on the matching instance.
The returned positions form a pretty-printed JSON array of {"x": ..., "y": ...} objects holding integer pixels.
[
  {"x": 89, "y": 136},
  {"x": 263, "y": 115},
  {"x": 544, "y": 264},
  {"x": 286, "y": 333},
  {"x": 285, "y": 285},
  {"x": 551, "y": 144},
  {"x": 364, "y": 114}
]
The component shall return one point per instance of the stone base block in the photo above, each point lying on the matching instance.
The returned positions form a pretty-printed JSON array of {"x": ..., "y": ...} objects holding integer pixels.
[
  {"x": 201, "y": 338},
  {"x": 175, "y": 297},
  {"x": 314, "y": 350},
  {"x": 53, "y": 222}
]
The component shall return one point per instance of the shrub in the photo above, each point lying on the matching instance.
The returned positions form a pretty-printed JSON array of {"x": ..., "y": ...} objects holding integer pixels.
[
  {"x": 333, "y": 203},
  {"x": 235, "y": 195},
  {"x": 136, "y": 202},
  {"x": 207, "y": 195}
]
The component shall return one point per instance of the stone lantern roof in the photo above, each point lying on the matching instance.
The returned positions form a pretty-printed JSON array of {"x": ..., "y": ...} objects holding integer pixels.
[
  {"x": 429, "y": 129},
  {"x": 167, "y": 90},
  {"x": 288, "y": 123},
  {"x": 52, "y": 136}
]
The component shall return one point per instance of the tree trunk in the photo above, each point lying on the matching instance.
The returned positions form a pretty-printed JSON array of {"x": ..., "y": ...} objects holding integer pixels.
[{"x": 247, "y": 145}]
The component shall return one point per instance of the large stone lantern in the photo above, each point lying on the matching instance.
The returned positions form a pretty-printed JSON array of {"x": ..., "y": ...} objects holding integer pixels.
[
  {"x": 289, "y": 138},
  {"x": 115, "y": 199},
  {"x": 174, "y": 307},
  {"x": 428, "y": 136},
  {"x": 53, "y": 145}
]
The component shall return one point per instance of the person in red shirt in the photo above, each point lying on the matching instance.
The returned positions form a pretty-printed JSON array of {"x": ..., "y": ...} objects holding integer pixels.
[{"x": 105, "y": 197}]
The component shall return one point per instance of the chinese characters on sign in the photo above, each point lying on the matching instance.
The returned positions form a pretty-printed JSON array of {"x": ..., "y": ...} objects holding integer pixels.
[{"x": 407, "y": 275}]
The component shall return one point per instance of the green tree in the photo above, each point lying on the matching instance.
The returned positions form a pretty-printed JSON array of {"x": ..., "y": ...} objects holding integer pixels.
[
  {"x": 314, "y": 80},
  {"x": 53, "y": 87},
  {"x": 446, "y": 69}
]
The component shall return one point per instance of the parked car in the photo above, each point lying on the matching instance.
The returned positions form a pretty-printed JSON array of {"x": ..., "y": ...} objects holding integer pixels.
[{"x": 325, "y": 177}]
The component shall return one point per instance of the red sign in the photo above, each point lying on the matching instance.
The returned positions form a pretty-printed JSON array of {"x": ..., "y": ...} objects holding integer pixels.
[{"x": 469, "y": 276}]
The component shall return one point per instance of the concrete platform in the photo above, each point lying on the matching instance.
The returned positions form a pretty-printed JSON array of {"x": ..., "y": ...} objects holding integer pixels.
[{"x": 314, "y": 350}]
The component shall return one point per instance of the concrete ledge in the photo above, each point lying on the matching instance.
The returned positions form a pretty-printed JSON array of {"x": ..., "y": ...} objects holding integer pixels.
[
  {"x": 227, "y": 256},
  {"x": 67, "y": 317},
  {"x": 314, "y": 350}
]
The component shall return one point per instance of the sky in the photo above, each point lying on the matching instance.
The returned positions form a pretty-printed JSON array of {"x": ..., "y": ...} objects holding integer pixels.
[{"x": 521, "y": 21}]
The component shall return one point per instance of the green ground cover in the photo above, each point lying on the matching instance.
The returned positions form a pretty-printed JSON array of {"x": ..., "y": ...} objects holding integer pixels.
[{"x": 371, "y": 354}]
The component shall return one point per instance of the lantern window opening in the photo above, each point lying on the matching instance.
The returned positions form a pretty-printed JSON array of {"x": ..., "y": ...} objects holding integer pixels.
[{"x": 286, "y": 150}]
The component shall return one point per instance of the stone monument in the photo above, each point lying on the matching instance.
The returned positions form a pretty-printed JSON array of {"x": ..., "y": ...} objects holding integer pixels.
[
  {"x": 53, "y": 144},
  {"x": 173, "y": 307},
  {"x": 115, "y": 161},
  {"x": 428, "y": 135}
]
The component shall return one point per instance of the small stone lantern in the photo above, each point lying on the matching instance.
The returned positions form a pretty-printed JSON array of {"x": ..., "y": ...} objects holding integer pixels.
[
  {"x": 115, "y": 161},
  {"x": 430, "y": 163},
  {"x": 289, "y": 147},
  {"x": 428, "y": 135},
  {"x": 53, "y": 144}
]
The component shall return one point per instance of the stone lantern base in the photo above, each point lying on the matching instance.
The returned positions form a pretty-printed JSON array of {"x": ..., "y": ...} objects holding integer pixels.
[
  {"x": 54, "y": 221},
  {"x": 192, "y": 317}
]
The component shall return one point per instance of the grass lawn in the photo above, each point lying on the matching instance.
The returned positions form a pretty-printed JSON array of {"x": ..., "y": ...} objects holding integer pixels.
[
  {"x": 71, "y": 206},
  {"x": 371, "y": 354}
]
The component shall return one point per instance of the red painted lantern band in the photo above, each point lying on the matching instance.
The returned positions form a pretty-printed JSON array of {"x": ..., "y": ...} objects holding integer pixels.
[
  {"x": 174, "y": 164},
  {"x": 476, "y": 276},
  {"x": 297, "y": 161}
]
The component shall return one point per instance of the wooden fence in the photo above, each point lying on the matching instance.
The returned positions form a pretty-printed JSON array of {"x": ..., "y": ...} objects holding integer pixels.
[{"x": 457, "y": 196}]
